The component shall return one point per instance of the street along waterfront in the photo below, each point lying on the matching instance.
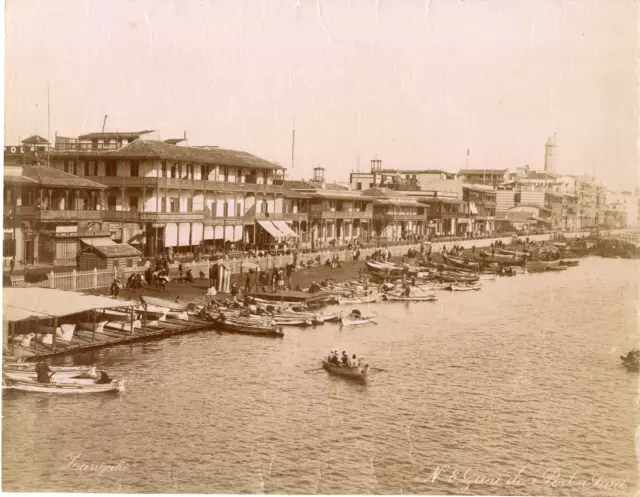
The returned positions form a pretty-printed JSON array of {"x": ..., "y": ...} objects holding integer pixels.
[{"x": 523, "y": 374}]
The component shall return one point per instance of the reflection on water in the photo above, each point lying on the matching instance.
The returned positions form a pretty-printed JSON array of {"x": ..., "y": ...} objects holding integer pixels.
[{"x": 507, "y": 391}]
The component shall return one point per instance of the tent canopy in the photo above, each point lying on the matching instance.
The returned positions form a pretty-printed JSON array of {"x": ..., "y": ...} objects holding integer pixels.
[
  {"x": 271, "y": 228},
  {"x": 284, "y": 228},
  {"x": 46, "y": 303}
]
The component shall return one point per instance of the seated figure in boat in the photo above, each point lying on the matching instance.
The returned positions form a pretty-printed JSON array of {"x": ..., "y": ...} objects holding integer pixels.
[
  {"x": 43, "y": 371},
  {"x": 345, "y": 359},
  {"x": 356, "y": 314},
  {"x": 104, "y": 379},
  {"x": 407, "y": 291}
]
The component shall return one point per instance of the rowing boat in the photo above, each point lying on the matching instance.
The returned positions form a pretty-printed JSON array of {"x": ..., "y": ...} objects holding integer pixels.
[
  {"x": 366, "y": 299},
  {"x": 464, "y": 288},
  {"x": 31, "y": 367},
  {"x": 169, "y": 304},
  {"x": 247, "y": 326},
  {"x": 354, "y": 321},
  {"x": 355, "y": 372},
  {"x": 286, "y": 321},
  {"x": 183, "y": 315},
  {"x": 403, "y": 298},
  {"x": 62, "y": 388},
  {"x": 57, "y": 377}
]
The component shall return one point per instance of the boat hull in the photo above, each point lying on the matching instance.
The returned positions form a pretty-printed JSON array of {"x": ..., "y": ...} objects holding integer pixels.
[
  {"x": 357, "y": 372},
  {"x": 348, "y": 321},
  {"x": 400, "y": 298},
  {"x": 89, "y": 326},
  {"x": 66, "y": 388}
]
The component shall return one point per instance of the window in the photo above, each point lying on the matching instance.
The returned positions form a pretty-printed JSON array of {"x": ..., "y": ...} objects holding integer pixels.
[
  {"x": 133, "y": 203},
  {"x": 225, "y": 209},
  {"x": 135, "y": 168},
  {"x": 175, "y": 204},
  {"x": 163, "y": 204},
  {"x": 164, "y": 168},
  {"x": 203, "y": 172},
  {"x": 8, "y": 245},
  {"x": 90, "y": 168},
  {"x": 111, "y": 202},
  {"x": 238, "y": 210},
  {"x": 190, "y": 204},
  {"x": 70, "y": 167},
  {"x": 111, "y": 168}
]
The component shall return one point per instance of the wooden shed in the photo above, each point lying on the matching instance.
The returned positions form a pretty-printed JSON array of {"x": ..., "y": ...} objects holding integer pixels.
[{"x": 121, "y": 255}]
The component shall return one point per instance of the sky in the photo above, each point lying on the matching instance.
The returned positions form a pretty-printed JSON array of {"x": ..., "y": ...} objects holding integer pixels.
[{"x": 413, "y": 83}]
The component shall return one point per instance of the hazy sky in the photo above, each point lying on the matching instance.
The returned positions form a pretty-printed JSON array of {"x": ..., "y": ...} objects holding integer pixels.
[{"x": 414, "y": 83}]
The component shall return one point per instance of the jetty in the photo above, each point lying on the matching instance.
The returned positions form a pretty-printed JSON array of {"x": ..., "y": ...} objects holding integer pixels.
[{"x": 30, "y": 314}]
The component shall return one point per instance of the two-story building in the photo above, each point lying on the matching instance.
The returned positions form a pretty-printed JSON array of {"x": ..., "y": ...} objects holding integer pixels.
[
  {"x": 482, "y": 208},
  {"x": 396, "y": 216},
  {"x": 168, "y": 195},
  {"x": 491, "y": 177}
]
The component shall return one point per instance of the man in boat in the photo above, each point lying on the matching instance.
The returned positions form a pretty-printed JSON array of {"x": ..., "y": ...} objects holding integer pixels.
[
  {"x": 104, "y": 378},
  {"x": 345, "y": 358},
  {"x": 43, "y": 371},
  {"x": 407, "y": 291}
]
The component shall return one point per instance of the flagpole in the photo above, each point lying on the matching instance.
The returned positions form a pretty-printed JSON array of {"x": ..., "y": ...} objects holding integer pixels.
[
  {"x": 293, "y": 144},
  {"x": 48, "y": 127}
]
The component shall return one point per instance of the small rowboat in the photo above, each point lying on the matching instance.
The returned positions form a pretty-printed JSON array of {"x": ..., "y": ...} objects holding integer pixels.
[
  {"x": 355, "y": 321},
  {"x": 125, "y": 326},
  {"x": 172, "y": 306},
  {"x": 183, "y": 315},
  {"x": 488, "y": 277},
  {"x": 247, "y": 326},
  {"x": 403, "y": 298},
  {"x": 556, "y": 268},
  {"x": 365, "y": 299},
  {"x": 89, "y": 326},
  {"x": 285, "y": 321},
  {"x": 356, "y": 372},
  {"x": 57, "y": 377},
  {"x": 464, "y": 288},
  {"x": 155, "y": 313},
  {"x": 31, "y": 367},
  {"x": 61, "y": 388}
]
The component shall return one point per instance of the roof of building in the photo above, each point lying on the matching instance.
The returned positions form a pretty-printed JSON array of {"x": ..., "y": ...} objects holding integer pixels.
[
  {"x": 300, "y": 185},
  {"x": 160, "y": 150},
  {"x": 479, "y": 188},
  {"x": 129, "y": 135},
  {"x": 35, "y": 140},
  {"x": 48, "y": 176},
  {"x": 541, "y": 175},
  {"x": 383, "y": 192},
  {"x": 296, "y": 194},
  {"x": 338, "y": 195},
  {"x": 488, "y": 172},
  {"x": 518, "y": 216},
  {"x": 400, "y": 202},
  {"x": 114, "y": 251},
  {"x": 174, "y": 141},
  {"x": 335, "y": 187},
  {"x": 11, "y": 179},
  {"x": 416, "y": 171}
]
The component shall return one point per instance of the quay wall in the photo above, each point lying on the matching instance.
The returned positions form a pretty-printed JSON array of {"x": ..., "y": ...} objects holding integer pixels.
[{"x": 89, "y": 280}]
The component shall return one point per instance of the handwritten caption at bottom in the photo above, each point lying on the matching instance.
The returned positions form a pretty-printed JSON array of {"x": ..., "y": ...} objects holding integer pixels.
[
  {"x": 551, "y": 478},
  {"x": 75, "y": 462}
]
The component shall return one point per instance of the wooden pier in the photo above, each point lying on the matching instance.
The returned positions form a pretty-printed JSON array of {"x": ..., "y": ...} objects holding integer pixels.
[{"x": 26, "y": 308}]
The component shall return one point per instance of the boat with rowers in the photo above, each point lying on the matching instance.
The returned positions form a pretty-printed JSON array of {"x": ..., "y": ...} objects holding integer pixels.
[
  {"x": 356, "y": 318},
  {"x": 246, "y": 325},
  {"x": 66, "y": 388},
  {"x": 70, "y": 376},
  {"x": 345, "y": 366},
  {"x": 412, "y": 298}
]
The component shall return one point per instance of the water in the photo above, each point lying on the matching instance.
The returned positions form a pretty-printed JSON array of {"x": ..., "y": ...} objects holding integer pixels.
[{"x": 520, "y": 377}]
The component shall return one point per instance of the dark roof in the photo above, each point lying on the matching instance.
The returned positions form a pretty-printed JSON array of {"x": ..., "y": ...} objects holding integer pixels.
[
  {"x": 19, "y": 180},
  {"x": 416, "y": 171},
  {"x": 174, "y": 141},
  {"x": 383, "y": 192},
  {"x": 336, "y": 195},
  {"x": 299, "y": 185},
  {"x": 129, "y": 135},
  {"x": 295, "y": 194},
  {"x": 113, "y": 251},
  {"x": 35, "y": 140},
  {"x": 400, "y": 202},
  {"x": 335, "y": 187},
  {"x": 473, "y": 188},
  {"x": 48, "y": 176},
  {"x": 541, "y": 175},
  {"x": 160, "y": 150},
  {"x": 483, "y": 171}
]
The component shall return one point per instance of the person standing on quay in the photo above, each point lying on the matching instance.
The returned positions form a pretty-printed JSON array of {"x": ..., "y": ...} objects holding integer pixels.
[
  {"x": 247, "y": 284},
  {"x": 12, "y": 264}
]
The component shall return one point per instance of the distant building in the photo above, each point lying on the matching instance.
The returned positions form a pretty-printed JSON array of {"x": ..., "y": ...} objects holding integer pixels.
[{"x": 492, "y": 177}]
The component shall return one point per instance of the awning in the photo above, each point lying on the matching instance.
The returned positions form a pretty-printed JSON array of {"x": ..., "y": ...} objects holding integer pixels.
[
  {"x": 171, "y": 235},
  {"x": 208, "y": 232},
  {"x": 237, "y": 234},
  {"x": 271, "y": 228},
  {"x": 184, "y": 232},
  {"x": 197, "y": 233},
  {"x": 284, "y": 228},
  {"x": 98, "y": 242}
]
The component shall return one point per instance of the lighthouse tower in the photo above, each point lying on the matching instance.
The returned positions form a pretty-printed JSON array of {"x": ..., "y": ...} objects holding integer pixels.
[{"x": 550, "y": 150}]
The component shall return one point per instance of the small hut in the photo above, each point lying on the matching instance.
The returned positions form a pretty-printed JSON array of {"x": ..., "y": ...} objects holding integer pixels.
[{"x": 119, "y": 255}]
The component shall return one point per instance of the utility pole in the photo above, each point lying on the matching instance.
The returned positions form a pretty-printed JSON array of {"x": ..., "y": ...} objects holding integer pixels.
[{"x": 104, "y": 123}]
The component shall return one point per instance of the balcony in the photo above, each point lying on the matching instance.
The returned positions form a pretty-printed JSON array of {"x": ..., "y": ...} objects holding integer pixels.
[
  {"x": 68, "y": 215},
  {"x": 23, "y": 211},
  {"x": 182, "y": 184},
  {"x": 121, "y": 216},
  {"x": 394, "y": 216},
  {"x": 170, "y": 217},
  {"x": 341, "y": 214},
  {"x": 282, "y": 216}
]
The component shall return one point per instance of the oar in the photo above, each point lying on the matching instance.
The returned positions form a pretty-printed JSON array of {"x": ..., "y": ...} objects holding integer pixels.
[
  {"x": 379, "y": 369},
  {"x": 313, "y": 370}
]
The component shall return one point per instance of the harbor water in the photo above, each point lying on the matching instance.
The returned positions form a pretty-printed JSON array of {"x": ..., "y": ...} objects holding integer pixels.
[{"x": 512, "y": 390}]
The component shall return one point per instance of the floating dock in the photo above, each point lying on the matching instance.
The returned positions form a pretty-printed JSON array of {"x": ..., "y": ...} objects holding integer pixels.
[{"x": 29, "y": 310}]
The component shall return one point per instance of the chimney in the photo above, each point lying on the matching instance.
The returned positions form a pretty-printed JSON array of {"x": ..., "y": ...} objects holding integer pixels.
[
  {"x": 376, "y": 165},
  {"x": 318, "y": 175}
]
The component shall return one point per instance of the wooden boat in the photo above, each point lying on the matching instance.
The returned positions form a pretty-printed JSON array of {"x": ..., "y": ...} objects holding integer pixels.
[
  {"x": 65, "y": 388},
  {"x": 353, "y": 320},
  {"x": 365, "y": 299},
  {"x": 117, "y": 316},
  {"x": 454, "y": 261},
  {"x": 488, "y": 277},
  {"x": 125, "y": 326},
  {"x": 89, "y": 326},
  {"x": 631, "y": 361},
  {"x": 403, "y": 298},
  {"x": 58, "y": 376},
  {"x": 169, "y": 304},
  {"x": 454, "y": 278},
  {"x": 293, "y": 321},
  {"x": 31, "y": 367},
  {"x": 464, "y": 288},
  {"x": 355, "y": 372},
  {"x": 555, "y": 268},
  {"x": 247, "y": 326}
]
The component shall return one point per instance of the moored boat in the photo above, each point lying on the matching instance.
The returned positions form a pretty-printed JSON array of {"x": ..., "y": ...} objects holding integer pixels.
[
  {"x": 464, "y": 288},
  {"x": 164, "y": 303},
  {"x": 356, "y": 318},
  {"x": 57, "y": 377},
  {"x": 403, "y": 298},
  {"x": 247, "y": 326},
  {"x": 31, "y": 367},
  {"x": 65, "y": 388},
  {"x": 350, "y": 372}
]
